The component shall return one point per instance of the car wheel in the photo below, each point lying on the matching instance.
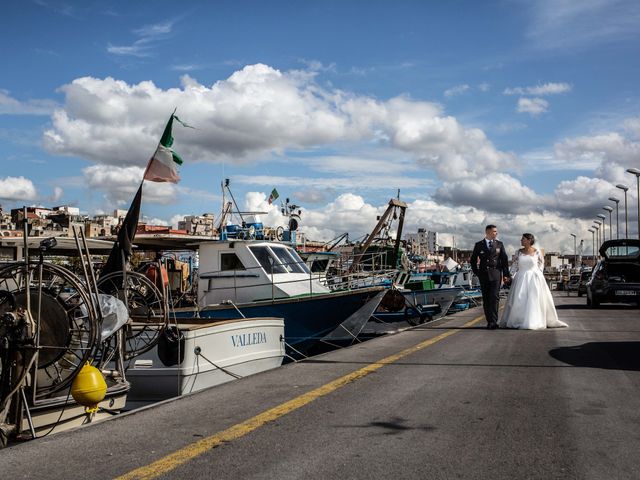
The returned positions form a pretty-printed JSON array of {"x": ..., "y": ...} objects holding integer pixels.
[
  {"x": 579, "y": 293},
  {"x": 595, "y": 302}
]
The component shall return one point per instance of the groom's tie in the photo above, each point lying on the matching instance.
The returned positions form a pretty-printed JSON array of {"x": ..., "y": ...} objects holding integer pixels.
[{"x": 490, "y": 244}]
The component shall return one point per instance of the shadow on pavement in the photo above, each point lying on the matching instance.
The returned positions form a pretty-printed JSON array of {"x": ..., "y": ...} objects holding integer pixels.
[
  {"x": 608, "y": 355},
  {"x": 393, "y": 426},
  {"x": 612, "y": 306}
]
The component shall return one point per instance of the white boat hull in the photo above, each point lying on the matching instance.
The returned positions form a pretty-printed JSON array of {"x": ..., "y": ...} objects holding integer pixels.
[{"x": 213, "y": 352}]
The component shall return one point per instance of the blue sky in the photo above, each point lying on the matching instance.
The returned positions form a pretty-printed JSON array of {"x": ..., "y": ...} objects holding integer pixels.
[{"x": 519, "y": 113}]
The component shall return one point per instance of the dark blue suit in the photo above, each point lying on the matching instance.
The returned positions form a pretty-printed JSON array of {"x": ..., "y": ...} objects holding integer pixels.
[{"x": 490, "y": 265}]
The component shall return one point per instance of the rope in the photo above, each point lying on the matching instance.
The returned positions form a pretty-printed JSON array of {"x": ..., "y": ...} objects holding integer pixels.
[
  {"x": 298, "y": 352},
  {"x": 66, "y": 403},
  {"x": 198, "y": 352}
]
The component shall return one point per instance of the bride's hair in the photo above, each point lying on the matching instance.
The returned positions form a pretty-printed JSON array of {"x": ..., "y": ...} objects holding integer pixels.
[{"x": 530, "y": 237}]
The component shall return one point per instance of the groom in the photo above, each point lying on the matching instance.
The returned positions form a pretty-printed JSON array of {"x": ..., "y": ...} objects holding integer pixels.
[{"x": 490, "y": 263}]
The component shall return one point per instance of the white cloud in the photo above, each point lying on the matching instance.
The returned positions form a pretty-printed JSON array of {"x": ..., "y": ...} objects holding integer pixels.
[
  {"x": 610, "y": 151},
  {"x": 17, "y": 188},
  {"x": 363, "y": 181},
  {"x": 11, "y": 106},
  {"x": 188, "y": 67},
  {"x": 314, "y": 195},
  {"x": 350, "y": 213},
  {"x": 536, "y": 106},
  {"x": 508, "y": 127},
  {"x": 154, "y": 221},
  {"x": 57, "y": 194},
  {"x": 467, "y": 224},
  {"x": 533, "y": 106},
  {"x": 347, "y": 213},
  {"x": 259, "y": 111},
  {"x": 583, "y": 197},
  {"x": 154, "y": 31},
  {"x": 149, "y": 36},
  {"x": 441, "y": 143},
  {"x": 498, "y": 193},
  {"x": 564, "y": 25},
  {"x": 539, "y": 90},
  {"x": 173, "y": 221},
  {"x": 119, "y": 185},
  {"x": 632, "y": 125},
  {"x": 457, "y": 90},
  {"x": 357, "y": 165}
]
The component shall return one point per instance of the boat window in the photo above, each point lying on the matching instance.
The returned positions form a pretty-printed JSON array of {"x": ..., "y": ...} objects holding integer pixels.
[
  {"x": 319, "y": 265},
  {"x": 298, "y": 261},
  {"x": 267, "y": 260},
  {"x": 230, "y": 261},
  {"x": 287, "y": 261}
]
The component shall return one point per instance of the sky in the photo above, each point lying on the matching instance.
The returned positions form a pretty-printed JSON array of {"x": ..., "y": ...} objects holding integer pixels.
[{"x": 522, "y": 114}]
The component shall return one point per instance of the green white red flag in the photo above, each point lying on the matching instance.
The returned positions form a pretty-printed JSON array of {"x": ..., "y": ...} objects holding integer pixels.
[
  {"x": 163, "y": 165},
  {"x": 273, "y": 197}
]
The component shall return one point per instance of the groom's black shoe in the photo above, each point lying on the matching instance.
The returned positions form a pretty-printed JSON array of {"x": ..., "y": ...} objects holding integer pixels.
[{"x": 492, "y": 326}]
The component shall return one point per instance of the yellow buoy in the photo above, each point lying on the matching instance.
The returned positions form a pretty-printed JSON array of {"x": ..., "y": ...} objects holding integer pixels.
[{"x": 89, "y": 387}]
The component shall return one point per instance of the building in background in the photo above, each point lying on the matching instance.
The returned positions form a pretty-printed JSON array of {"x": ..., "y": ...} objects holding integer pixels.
[
  {"x": 422, "y": 243},
  {"x": 202, "y": 225}
]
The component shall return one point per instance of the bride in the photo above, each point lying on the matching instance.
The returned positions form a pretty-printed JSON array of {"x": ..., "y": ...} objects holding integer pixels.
[{"x": 530, "y": 304}]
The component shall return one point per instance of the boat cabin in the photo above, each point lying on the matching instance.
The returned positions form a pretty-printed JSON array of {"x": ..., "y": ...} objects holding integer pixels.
[{"x": 247, "y": 271}]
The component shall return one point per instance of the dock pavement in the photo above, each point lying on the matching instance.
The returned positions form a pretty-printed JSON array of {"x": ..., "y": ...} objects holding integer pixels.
[{"x": 445, "y": 400}]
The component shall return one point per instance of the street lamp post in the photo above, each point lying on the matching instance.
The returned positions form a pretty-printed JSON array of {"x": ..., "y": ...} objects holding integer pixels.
[
  {"x": 624, "y": 188},
  {"x": 597, "y": 227},
  {"x": 593, "y": 244},
  {"x": 603, "y": 218},
  {"x": 636, "y": 172},
  {"x": 614, "y": 199},
  {"x": 575, "y": 256},
  {"x": 610, "y": 210}
]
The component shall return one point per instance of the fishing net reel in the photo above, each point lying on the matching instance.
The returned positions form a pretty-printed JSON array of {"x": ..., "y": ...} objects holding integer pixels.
[
  {"x": 45, "y": 334},
  {"x": 147, "y": 306}
]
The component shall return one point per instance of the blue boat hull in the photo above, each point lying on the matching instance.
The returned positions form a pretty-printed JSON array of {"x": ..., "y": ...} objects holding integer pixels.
[
  {"x": 419, "y": 307},
  {"x": 306, "y": 319}
]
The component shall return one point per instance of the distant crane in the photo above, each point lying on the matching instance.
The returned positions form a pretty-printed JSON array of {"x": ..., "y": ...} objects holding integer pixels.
[
  {"x": 336, "y": 241},
  {"x": 394, "y": 204}
]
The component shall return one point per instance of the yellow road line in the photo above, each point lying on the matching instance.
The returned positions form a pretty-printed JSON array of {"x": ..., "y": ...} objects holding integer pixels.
[{"x": 173, "y": 460}]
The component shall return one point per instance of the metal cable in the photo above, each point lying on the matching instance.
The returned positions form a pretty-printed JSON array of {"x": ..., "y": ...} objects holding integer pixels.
[{"x": 234, "y": 375}]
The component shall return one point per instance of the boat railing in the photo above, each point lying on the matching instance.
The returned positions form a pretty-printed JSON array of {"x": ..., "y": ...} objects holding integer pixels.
[
  {"x": 318, "y": 282},
  {"x": 344, "y": 272}
]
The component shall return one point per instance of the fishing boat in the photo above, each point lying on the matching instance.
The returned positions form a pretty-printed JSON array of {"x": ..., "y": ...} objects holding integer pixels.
[
  {"x": 254, "y": 278},
  {"x": 469, "y": 296},
  {"x": 404, "y": 308},
  {"x": 198, "y": 353},
  {"x": 183, "y": 355},
  {"x": 60, "y": 342},
  {"x": 464, "y": 278}
]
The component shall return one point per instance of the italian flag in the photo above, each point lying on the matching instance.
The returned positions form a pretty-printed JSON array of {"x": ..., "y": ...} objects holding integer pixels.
[
  {"x": 163, "y": 166},
  {"x": 274, "y": 195}
]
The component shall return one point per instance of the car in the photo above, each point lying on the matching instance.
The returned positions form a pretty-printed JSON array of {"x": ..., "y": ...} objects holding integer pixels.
[
  {"x": 572, "y": 284},
  {"x": 585, "y": 276},
  {"x": 616, "y": 276}
]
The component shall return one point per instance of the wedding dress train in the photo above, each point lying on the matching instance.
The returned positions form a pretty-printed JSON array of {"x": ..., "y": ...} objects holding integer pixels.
[{"x": 529, "y": 304}]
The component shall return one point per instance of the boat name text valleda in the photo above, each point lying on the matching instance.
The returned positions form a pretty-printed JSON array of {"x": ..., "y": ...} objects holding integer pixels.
[{"x": 246, "y": 339}]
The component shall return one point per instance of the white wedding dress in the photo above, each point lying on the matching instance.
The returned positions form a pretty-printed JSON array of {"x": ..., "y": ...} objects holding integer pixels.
[{"x": 529, "y": 304}]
